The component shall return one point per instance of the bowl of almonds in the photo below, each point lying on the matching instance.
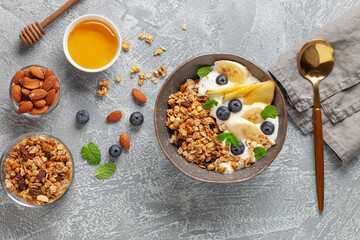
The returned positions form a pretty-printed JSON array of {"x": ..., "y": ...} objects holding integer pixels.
[
  {"x": 36, "y": 169},
  {"x": 34, "y": 90}
]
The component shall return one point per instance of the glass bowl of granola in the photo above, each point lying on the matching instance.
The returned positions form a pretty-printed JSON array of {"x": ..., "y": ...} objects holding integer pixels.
[
  {"x": 34, "y": 91},
  {"x": 36, "y": 169},
  {"x": 219, "y": 118}
]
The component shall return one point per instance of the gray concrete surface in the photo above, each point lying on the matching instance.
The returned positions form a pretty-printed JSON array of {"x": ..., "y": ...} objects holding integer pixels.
[{"x": 148, "y": 198}]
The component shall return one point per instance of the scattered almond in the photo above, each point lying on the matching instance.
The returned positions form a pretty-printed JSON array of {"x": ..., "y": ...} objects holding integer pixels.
[
  {"x": 49, "y": 82},
  {"x": 125, "y": 141},
  {"x": 38, "y": 111},
  {"x": 16, "y": 93},
  {"x": 114, "y": 116},
  {"x": 37, "y": 94},
  {"x": 125, "y": 45},
  {"x": 31, "y": 83},
  {"x": 18, "y": 76},
  {"x": 36, "y": 72},
  {"x": 24, "y": 107},
  {"x": 39, "y": 103},
  {"x": 139, "y": 95}
]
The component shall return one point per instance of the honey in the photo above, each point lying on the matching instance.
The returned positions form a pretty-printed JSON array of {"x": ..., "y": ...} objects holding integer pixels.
[{"x": 92, "y": 44}]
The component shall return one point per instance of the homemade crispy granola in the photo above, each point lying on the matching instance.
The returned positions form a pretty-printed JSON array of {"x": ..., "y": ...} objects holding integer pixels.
[
  {"x": 194, "y": 130},
  {"x": 39, "y": 170},
  {"x": 125, "y": 45}
]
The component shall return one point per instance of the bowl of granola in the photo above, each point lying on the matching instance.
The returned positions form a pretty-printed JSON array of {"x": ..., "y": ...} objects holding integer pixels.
[
  {"x": 36, "y": 169},
  {"x": 219, "y": 118}
]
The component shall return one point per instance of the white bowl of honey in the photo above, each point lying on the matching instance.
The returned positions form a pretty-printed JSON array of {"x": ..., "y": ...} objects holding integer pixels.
[{"x": 92, "y": 43}]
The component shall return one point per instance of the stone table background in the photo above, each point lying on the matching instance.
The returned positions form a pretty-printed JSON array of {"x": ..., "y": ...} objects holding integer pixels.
[{"x": 148, "y": 198}]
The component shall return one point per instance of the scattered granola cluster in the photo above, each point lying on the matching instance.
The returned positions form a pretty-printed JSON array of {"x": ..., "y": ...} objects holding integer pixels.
[
  {"x": 38, "y": 169},
  {"x": 126, "y": 46},
  {"x": 103, "y": 88},
  {"x": 148, "y": 38},
  {"x": 194, "y": 130},
  {"x": 143, "y": 76},
  {"x": 159, "y": 51}
]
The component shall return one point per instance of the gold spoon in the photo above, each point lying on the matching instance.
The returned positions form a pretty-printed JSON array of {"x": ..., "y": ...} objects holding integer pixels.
[{"x": 315, "y": 62}]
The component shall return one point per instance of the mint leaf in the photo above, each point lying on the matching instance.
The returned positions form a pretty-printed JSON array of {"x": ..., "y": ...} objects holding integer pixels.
[
  {"x": 259, "y": 152},
  {"x": 229, "y": 139},
  {"x": 105, "y": 170},
  {"x": 209, "y": 104},
  {"x": 91, "y": 153},
  {"x": 222, "y": 136},
  {"x": 204, "y": 71},
  {"x": 269, "y": 111}
]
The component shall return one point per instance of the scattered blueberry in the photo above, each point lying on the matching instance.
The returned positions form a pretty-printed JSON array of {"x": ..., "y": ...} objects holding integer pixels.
[
  {"x": 221, "y": 79},
  {"x": 115, "y": 151},
  {"x": 136, "y": 118},
  {"x": 223, "y": 113},
  {"x": 82, "y": 116},
  {"x": 235, "y": 105},
  {"x": 238, "y": 150},
  {"x": 267, "y": 128}
]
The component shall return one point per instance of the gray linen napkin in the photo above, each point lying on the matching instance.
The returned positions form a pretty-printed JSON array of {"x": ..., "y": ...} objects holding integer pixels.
[{"x": 339, "y": 92}]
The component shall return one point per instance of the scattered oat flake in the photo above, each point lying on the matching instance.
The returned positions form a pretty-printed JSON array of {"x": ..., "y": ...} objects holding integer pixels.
[
  {"x": 149, "y": 75},
  {"x": 183, "y": 26},
  {"x": 125, "y": 45},
  {"x": 155, "y": 80},
  {"x": 132, "y": 76},
  {"x": 118, "y": 79},
  {"x": 158, "y": 52},
  {"x": 135, "y": 69},
  {"x": 105, "y": 83},
  {"x": 141, "y": 36},
  {"x": 163, "y": 48}
]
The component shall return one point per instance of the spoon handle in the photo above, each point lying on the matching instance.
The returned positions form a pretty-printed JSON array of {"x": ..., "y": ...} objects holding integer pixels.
[{"x": 319, "y": 157}]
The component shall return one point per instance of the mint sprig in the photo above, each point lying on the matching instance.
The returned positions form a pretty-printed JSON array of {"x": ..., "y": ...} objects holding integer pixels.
[
  {"x": 105, "y": 170},
  {"x": 259, "y": 152},
  {"x": 269, "y": 111},
  {"x": 204, "y": 71},
  {"x": 209, "y": 104},
  {"x": 229, "y": 139},
  {"x": 91, "y": 153}
]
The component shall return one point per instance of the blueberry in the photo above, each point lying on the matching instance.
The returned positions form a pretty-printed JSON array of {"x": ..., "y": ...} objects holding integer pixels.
[
  {"x": 235, "y": 105},
  {"x": 82, "y": 116},
  {"x": 115, "y": 150},
  {"x": 223, "y": 113},
  {"x": 238, "y": 150},
  {"x": 267, "y": 128},
  {"x": 221, "y": 79},
  {"x": 136, "y": 118}
]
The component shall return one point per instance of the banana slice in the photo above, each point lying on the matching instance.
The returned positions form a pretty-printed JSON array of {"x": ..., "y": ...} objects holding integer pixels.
[
  {"x": 264, "y": 94},
  {"x": 242, "y": 91},
  {"x": 234, "y": 71},
  {"x": 253, "y": 113},
  {"x": 243, "y": 129},
  {"x": 242, "y": 87}
]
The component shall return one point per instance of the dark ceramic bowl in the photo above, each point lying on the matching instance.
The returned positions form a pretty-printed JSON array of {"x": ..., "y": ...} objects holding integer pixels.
[{"x": 172, "y": 84}]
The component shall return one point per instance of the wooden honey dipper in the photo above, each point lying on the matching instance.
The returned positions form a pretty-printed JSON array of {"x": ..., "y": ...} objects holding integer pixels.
[{"x": 32, "y": 33}]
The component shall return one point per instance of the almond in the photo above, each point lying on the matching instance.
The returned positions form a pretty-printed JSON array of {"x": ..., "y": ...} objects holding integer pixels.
[
  {"x": 41, "y": 84},
  {"x": 37, "y": 94},
  {"x": 55, "y": 98},
  {"x": 48, "y": 73},
  {"x": 23, "y": 80},
  {"x": 24, "y": 107},
  {"x": 25, "y": 91},
  {"x": 16, "y": 93},
  {"x": 27, "y": 74},
  {"x": 38, "y": 111},
  {"x": 114, "y": 116},
  {"x": 50, "y": 97},
  {"x": 56, "y": 86},
  {"x": 139, "y": 95},
  {"x": 36, "y": 72},
  {"x": 19, "y": 75},
  {"x": 125, "y": 141},
  {"x": 39, "y": 103},
  {"x": 31, "y": 83},
  {"x": 49, "y": 82}
]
